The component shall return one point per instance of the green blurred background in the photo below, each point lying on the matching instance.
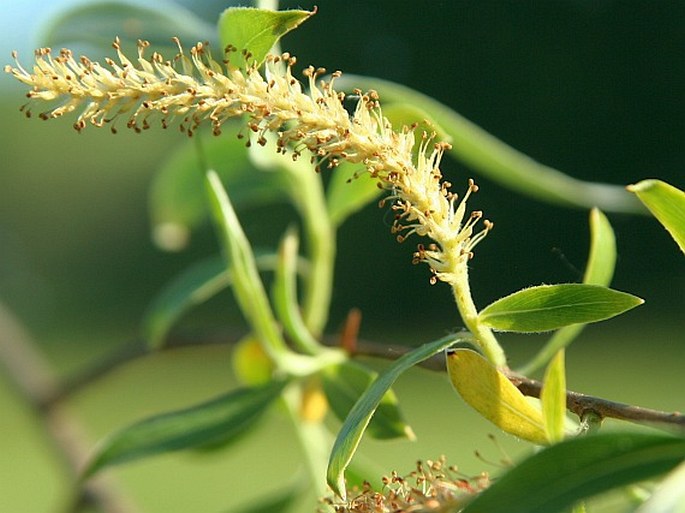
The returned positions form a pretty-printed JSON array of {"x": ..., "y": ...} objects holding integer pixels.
[{"x": 592, "y": 88}]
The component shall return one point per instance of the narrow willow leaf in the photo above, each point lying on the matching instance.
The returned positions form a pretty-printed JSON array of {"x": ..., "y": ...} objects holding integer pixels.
[
  {"x": 553, "y": 398},
  {"x": 560, "y": 475},
  {"x": 211, "y": 422},
  {"x": 355, "y": 424},
  {"x": 348, "y": 192},
  {"x": 491, "y": 394},
  {"x": 548, "y": 307},
  {"x": 599, "y": 270},
  {"x": 344, "y": 383},
  {"x": 251, "y": 365},
  {"x": 667, "y": 203},
  {"x": 284, "y": 294},
  {"x": 97, "y": 23},
  {"x": 178, "y": 197},
  {"x": 495, "y": 159},
  {"x": 247, "y": 285},
  {"x": 407, "y": 114},
  {"x": 256, "y": 31},
  {"x": 669, "y": 497}
]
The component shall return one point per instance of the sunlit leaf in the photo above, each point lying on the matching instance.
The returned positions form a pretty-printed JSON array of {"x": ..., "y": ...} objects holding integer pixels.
[
  {"x": 560, "y": 475},
  {"x": 667, "y": 203},
  {"x": 97, "y": 23},
  {"x": 256, "y": 31},
  {"x": 178, "y": 197},
  {"x": 408, "y": 114},
  {"x": 496, "y": 160},
  {"x": 669, "y": 496},
  {"x": 599, "y": 270},
  {"x": 553, "y": 398},
  {"x": 346, "y": 382},
  {"x": 492, "y": 395},
  {"x": 548, "y": 307},
  {"x": 355, "y": 424},
  {"x": 251, "y": 365},
  {"x": 348, "y": 193},
  {"x": 211, "y": 422}
]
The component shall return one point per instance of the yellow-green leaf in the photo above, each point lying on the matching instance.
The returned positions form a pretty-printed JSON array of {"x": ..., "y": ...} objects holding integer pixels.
[
  {"x": 667, "y": 203},
  {"x": 255, "y": 31},
  {"x": 553, "y": 398},
  {"x": 492, "y": 395}
]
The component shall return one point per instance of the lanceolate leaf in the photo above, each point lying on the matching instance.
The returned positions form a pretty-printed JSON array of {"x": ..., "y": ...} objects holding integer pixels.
[
  {"x": 344, "y": 383},
  {"x": 256, "y": 31},
  {"x": 348, "y": 193},
  {"x": 353, "y": 428},
  {"x": 548, "y": 307},
  {"x": 211, "y": 422},
  {"x": 667, "y": 203},
  {"x": 553, "y": 398},
  {"x": 558, "y": 476},
  {"x": 495, "y": 159},
  {"x": 492, "y": 395}
]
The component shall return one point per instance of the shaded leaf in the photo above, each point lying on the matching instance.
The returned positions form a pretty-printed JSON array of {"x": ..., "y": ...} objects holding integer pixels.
[
  {"x": 548, "y": 307},
  {"x": 599, "y": 270},
  {"x": 247, "y": 284},
  {"x": 256, "y": 31},
  {"x": 348, "y": 193},
  {"x": 178, "y": 197},
  {"x": 553, "y": 398},
  {"x": 207, "y": 423},
  {"x": 492, "y": 395},
  {"x": 97, "y": 23},
  {"x": 667, "y": 203},
  {"x": 497, "y": 160},
  {"x": 355, "y": 424},
  {"x": 669, "y": 496},
  {"x": 574, "y": 469},
  {"x": 346, "y": 382}
]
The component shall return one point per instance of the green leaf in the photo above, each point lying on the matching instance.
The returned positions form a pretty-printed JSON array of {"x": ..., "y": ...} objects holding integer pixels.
[
  {"x": 495, "y": 159},
  {"x": 491, "y": 394},
  {"x": 560, "y": 475},
  {"x": 97, "y": 23},
  {"x": 667, "y": 203},
  {"x": 349, "y": 190},
  {"x": 214, "y": 421},
  {"x": 344, "y": 383},
  {"x": 355, "y": 424},
  {"x": 599, "y": 270},
  {"x": 407, "y": 114},
  {"x": 553, "y": 398},
  {"x": 178, "y": 197},
  {"x": 256, "y": 31},
  {"x": 548, "y": 307},
  {"x": 247, "y": 285}
]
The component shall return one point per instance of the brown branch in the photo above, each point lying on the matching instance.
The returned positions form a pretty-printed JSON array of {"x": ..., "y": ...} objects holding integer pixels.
[{"x": 34, "y": 379}]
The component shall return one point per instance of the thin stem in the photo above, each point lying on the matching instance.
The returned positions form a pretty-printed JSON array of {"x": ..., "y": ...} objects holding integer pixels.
[{"x": 484, "y": 337}]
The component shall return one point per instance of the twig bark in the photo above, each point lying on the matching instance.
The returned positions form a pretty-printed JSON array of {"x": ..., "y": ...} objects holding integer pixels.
[{"x": 34, "y": 379}]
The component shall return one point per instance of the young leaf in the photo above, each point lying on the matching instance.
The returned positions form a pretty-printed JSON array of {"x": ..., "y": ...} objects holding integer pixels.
[
  {"x": 560, "y": 475},
  {"x": 98, "y": 22},
  {"x": 497, "y": 160},
  {"x": 344, "y": 383},
  {"x": 211, "y": 422},
  {"x": 355, "y": 424},
  {"x": 178, "y": 199},
  {"x": 492, "y": 395},
  {"x": 548, "y": 307},
  {"x": 667, "y": 203},
  {"x": 599, "y": 270},
  {"x": 348, "y": 193},
  {"x": 553, "y": 398},
  {"x": 256, "y": 31},
  {"x": 247, "y": 285}
]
